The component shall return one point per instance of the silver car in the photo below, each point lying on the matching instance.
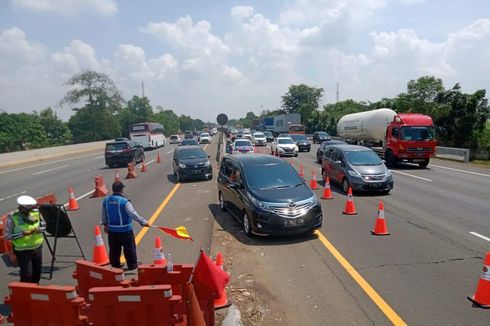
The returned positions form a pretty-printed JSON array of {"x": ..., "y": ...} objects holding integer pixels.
[{"x": 357, "y": 167}]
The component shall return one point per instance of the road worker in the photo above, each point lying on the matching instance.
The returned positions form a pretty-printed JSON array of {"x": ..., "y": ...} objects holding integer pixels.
[
  {"x": 117, "y": 216},
  {"x": 25, "y": 229}
]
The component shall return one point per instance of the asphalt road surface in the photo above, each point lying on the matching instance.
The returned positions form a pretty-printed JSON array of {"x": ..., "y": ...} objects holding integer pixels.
[{"x": 438, "y": 217}]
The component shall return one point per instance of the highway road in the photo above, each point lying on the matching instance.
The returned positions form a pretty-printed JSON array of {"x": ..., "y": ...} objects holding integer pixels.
[{"x": 438, "y": 217}]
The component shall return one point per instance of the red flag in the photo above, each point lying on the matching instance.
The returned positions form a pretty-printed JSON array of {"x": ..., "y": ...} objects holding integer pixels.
[
  {"x": 209, "y": 279},
  {"x": 179, "y": 233}
]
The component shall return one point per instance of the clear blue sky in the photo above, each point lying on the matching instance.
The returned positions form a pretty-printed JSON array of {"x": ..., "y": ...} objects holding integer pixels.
[{"x": 204, "y": 57}]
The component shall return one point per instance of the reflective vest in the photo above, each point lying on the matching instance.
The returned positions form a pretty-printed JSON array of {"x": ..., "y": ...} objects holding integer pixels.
[
  {"x": 27, "y": 242},
  {"x": 117, "y": 218}
]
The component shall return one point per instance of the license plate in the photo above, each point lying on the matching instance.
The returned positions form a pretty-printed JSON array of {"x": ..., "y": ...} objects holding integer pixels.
[
  {"x": 196, "y": 171},
  {"x": 297, "y": 221},
  {"x": 375, "y": 185}
]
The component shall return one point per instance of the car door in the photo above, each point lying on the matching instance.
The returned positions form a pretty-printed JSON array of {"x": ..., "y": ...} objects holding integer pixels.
[
  {"x": 340, "y": 168},
  {"x": 237, "y": 190},
  {"x": 224, "y": 175}
]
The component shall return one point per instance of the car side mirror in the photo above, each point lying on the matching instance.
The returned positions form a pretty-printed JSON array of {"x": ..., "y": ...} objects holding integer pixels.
[
  {"x": 234, "y": 186},
  {"x": 338, "y": 162}
]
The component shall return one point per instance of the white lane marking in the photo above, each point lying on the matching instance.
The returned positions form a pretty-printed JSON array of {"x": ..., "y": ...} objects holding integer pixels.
[
  {"x": 49, "y": 170},
  {"x": 480, "y": 236},
  {"x": 149, "y": 162},
  {"x": 43, "y": 164},
  {"x": 168, "y": 152},
  {"x": 22, "y": 192},
  {"x": 97, "y": 157},
  {"x": 413, "y": 176},
  {"x": 82, "y": 196},
  {"x": 463, "y": 171}
]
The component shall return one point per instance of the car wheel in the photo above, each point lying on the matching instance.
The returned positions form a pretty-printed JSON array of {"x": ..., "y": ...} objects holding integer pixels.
[
  {"x": 246, "y": 224},
  {"x": 318, "y": 159},
  {"x": 179, "y": 178},
  {"x": 345, "y": 185},
  {"x": 390, "y": 159},
  {"x": 424, "y": 163},
  {"x": 221, "y": 202},
  {"x": 142, "y": 158},
  {"x": 324, "y": 175},
  {"x": 210, "y": 177},
  {"x": 295, "y": 155}
]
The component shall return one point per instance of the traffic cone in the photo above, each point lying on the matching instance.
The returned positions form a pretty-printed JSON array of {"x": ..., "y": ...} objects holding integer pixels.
[
  {"x": 350, "y": 208},
  {"x": 131, "y": 171},
  {"x": 159, "y": 255},
  {"x": 313, "y": 183},
  {"x": 482, "y": 294},
  {"x": 222, "y": 301},
  {"x": 72, "y": 202},
  {"x": 143, "y": 167},
  {"x": 158, "y": 158},
  {"x": 117, "y": 178},
  {"x": 327, "y": 192},
  {"x": 380, "y": 226},
  {"x": 99, "y": 256},
  {"x": 301, "y": 173}
]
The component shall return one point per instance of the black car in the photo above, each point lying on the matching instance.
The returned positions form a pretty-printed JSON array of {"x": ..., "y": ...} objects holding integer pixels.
[
  {"x": 188, "y": 135},
  {"x": 301, "y": 141},
  {"x": 268, "y": 136},
  {"x": 123, "y": 152},
  {"x": 191, "y": 162},
  {"x": 267, "y": 195},
  {"x": 321, "y": 148},
  {"x": 188, "y": 142},
  {"x": 320, "y": 136}
]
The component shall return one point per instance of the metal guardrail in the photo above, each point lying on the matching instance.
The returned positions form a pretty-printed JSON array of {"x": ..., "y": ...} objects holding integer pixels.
[{"x": 451, "y": 153}]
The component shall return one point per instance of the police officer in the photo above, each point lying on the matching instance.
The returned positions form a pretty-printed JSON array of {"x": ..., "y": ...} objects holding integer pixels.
[
  {"x": 25, "y": 229},
  {"x": 117, "y": 216}
]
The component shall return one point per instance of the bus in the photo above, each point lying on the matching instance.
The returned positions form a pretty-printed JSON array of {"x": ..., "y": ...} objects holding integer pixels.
[
  {"x": 148, "y": 134},
  {"x": 296, "y": 129}
]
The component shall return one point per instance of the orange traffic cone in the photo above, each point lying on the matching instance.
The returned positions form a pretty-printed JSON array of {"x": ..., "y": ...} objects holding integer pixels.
[
  {"x": 100, "y": 254},
  {"x": 158, "y": 158},
  {"x": 143, "y": 167},
  {"x": 117, "y": 178},
  {"x": 482, "y": 295},
  {"x": 313, "y": 183},
  {"x": 350, "y": 208},
  {"x": 327, "y": 192},
  {"x": 131, "y": 171},
  {"x": 72, "y": 202},
  {"x": 301, "y": 173},
  {"x": 380, "y": 226},
  {"x": 222, "y": 301},
  {"x": 159, "y": 255}
]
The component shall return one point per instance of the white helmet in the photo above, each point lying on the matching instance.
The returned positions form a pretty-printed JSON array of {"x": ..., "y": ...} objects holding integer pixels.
[{"x": 26, "y": 201}]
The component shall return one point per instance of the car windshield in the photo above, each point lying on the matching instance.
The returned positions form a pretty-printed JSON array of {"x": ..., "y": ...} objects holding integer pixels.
[
  {"x": 173, "y": 137},
  {"x": 417, "y": 133},
  {"x": 116, "y": 146},
  {"x": 268, "y": 133},
  {"x": 271, "y": 176},
  {"x": 299, "y": 137},
  {"x": 204, "y": 134},
  {"x": 259, "y": 135},
  {"x": 323, "y": 134},
  {"x": 191, "y": 153},
  {"x": 189, "y": 142},
  {"x": 242, "y": 143},
  {"x": 363, "y": 158},
  {"x": 285, "y": 141}
]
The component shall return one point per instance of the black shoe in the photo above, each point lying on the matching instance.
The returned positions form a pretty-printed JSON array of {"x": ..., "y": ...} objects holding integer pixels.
[{"x": 131, "y": 268}]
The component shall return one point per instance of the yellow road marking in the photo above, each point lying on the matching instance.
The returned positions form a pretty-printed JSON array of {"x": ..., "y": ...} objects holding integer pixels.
[
  {"x": 152, "y": 219},
  {"x": 385, "y": 308}
]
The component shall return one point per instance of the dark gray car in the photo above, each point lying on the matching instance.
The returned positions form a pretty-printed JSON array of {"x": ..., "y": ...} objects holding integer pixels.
[
  {"x": 191, "y": 162},
  {"x": 357, "y": 167}
]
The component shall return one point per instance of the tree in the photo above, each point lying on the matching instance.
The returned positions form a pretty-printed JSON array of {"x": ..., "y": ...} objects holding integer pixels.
[
  {"x": 21, "y": 131},
  {"x": 168, "y": 119},
  {"x": 93, "y": 125},
  {"x": 425, "y": 89},
  {"x": 141, "y": 108},
  {"x": 56, "y": 130},
  {"x": 302, "y": 99}
]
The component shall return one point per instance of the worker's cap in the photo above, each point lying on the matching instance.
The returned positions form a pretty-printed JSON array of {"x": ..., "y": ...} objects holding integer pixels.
[
  {"x": 118, "y": 186},
  {"x": 26, "y": 201}
]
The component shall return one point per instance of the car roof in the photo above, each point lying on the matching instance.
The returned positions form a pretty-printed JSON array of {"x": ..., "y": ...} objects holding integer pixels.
[
  {"x": 255, "y": 159},
  {"x": 284, "y": 138},
  {"x": 347, "y": 147},
  {"x": 186, "y": 148},
  {"x": 245, "y": 139}
]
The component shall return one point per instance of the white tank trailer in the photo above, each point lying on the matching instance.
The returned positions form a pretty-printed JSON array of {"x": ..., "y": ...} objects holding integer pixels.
[{"x": 367, "y": 127}]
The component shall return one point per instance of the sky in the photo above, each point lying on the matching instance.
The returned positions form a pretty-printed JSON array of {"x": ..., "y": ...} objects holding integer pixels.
[{"x": 205, "y": 57}]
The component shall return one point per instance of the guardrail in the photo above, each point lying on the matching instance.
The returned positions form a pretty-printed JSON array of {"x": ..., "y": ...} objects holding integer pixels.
[{"x": 451, "y": 153}]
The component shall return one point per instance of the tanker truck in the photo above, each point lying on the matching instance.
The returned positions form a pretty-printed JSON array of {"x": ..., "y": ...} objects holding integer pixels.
[{"x": 395, "y": 137}]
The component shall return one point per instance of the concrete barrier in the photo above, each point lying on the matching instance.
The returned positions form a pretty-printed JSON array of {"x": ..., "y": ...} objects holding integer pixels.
[
  {"x": 454, "y": 154},
  {"x": 35, "y": 155}
]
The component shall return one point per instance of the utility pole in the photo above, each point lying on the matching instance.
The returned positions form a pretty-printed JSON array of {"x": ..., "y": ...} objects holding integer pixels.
[
  {"x": 142, "y": 88},
  {"x": 337, "y": 94}
]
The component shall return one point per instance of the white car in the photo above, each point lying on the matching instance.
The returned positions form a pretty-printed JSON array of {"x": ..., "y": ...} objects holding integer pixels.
[
  {"x": 175, "y": 139},
  {"x": 259, "y": 139},
  {"x": 242, "y": 146},
  {"x": 284, "y": 146},
  {"x": 204, "y": 138},
  {"x": 247, "y": 134}
]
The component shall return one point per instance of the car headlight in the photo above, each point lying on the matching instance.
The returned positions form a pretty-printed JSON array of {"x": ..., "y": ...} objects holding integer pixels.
[
  {"x": 388, "y": 173},
  {"x": 258, "y": 203},
  {"x": 182, "y": 165},
  {"x": 296, "y": 148},
  {"x": 207, "y": 163},
  {"x": 354, "y": 173}
]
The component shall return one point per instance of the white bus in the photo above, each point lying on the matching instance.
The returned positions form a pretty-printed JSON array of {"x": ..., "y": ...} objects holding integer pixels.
[{"x": 148, "y": 134}]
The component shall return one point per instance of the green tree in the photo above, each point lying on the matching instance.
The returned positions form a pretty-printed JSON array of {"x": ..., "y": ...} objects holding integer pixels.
[
  {"x": 168, "y": 119},
  {"x": 21, "y": 131},
  {"x": 56, "y": 130},
  {"x": 93, "y": 125},
  {"x": 302, "y": 99},
  {"x": 141, "y": 107}
]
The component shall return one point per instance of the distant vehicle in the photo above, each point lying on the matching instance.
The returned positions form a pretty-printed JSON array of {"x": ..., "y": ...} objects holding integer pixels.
[
  {"x": 259, "y": 139},
  {"x": 188, "y": 135},
  {"x": 247, "y": 134},
  {"x": 319, "y": 151},
  {"x": 189, "y": 142},
  {"x": 320, "y": 136},
  {"x": 121, "y": 139},
  {"x": 174, "y": 139},
  {"x": 408, "y": 137},
  {"x": 204, "y": 138},
  {"x": 233, "y": 134},
  {"x": 191, "y": 162},
  {"x": 243, "y": 146},
  {"x": 267, "y": 196},
  {"x": 123, "y": 152},
  {"x": 148, "y": 134},
  {"x": 357, "y": 167},
  {"x": 283, "y": 121},
  {"x": 296, "y": 129},
  {"x": 302, "y": 142},
  {"x": 269, "y": 137},
  {"x": 284, "y": 146}
]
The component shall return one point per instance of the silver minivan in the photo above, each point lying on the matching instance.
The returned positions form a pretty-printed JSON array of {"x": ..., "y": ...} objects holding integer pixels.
[{"x": 357, "y": 167}]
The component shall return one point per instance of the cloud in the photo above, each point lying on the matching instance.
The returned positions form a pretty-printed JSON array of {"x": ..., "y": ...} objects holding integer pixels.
[
  {"x": 231, "y": 72},
  {"x": 68, "y": 7}
]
